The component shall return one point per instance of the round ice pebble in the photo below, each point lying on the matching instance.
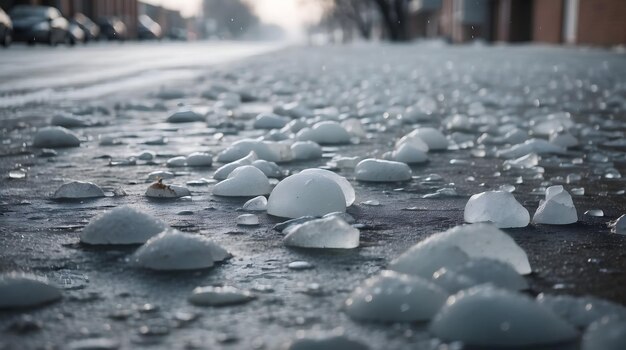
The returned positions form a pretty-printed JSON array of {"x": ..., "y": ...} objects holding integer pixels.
[
  {"x": 497, "y": 207},
  {"x": 484, "y": 270},
  {"x": 160, "y": 190},
  {"x": 414, "y": 141},
  {"x": 222, "y": 172},
  {"x": 395, "y": 297},
  {"x": 122, "y": 225},
  {"x": 325, "y": 133},
  {"x": 608, "y": 333},
  {"x": 19, "y": 290},
  {"x": 378, "y": 170},
  {"x": 185, "y": 116},
  {"x": 557, "y": 209},
  {"x": 485, "y": 316},
  {"x": 269, "y": 121},
  {"x": 78, "y": 189},
  {"x": 346, "y": 187},
  {"x": 435, "y": 140},
  {"x": 423, "y": 260},
  {"x": 270, "y": 169},
  {"x": 407, "y": 153},
  {"x": 200, "y": 159},
  {"x": 174, "y": 250},
  {"x": 219, "y": 296},
  {"x": 306, "y": 150},
  {"x": 337, "y": 342},
  {"x": 176, "y": 162},
  {"x": 329, "y": 232},
  {"x": 258, "y": 203},
  {"x": 306, "y": 194},
  {"x": 55, "y": 137},
  {"x": 245, "y": 181}
]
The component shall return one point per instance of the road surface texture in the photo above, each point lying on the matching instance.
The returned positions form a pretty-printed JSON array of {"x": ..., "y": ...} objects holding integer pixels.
[{"x": 130, "y": 90}]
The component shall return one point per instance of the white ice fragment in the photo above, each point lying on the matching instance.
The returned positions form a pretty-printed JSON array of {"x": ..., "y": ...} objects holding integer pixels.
[
  {"x": 498, "y": 273},
  {"x": 185, "y": 116},
  {"x": 346, "y": 187},
  {"x": 306, "y": 194},
  {"x": 378, "y": 170},
  {"x": 497, "y": 207},
  {"x": 324, "y": 133},
  {"x": 424, "y": 259},
  {"x": 173, "y": 250},
  {"x": 354, "y": 127},
  {"x": 159, "y": 174},
  {"x": 557, "y": 209},
  {"x": 146, "y": 155},
  {"x": 486, "y": 316},
  {"x": 581, "y": 311},
  {"x": 247, "y": 220},
  {"x": 329, "y": 232},
  {"x": 563, "y": 139},
  {"x": 595, "y": 212},
  {"x": 528, "y": 161},
  {"x": 268, "y": 150},
  {"x": 94, "y": 344},
  {"x": 451, "y": 281},
  {"x": 78, "y": 189},
  {"x": 537, "y": 146},
  {"x": 619, "y": 226},
  {"x": 176, "y": 162},
  {"x": 21, "y": 290},
  {"x": 609, "y": 333},
  {"x": 336, "y": 342},
  {"x": 160, "y": 190},
  {"x": 269, "y": 121},
  {"x": 245, "y": 181},
  {"x": 306, "y": 150},
  {"x": 435, "y": 140},
  {"x": 222, "y": 172},
  {"x": 395, "y": 297},
  {"x": 256, "y": 204},
  {"x": 67, "y": 120},
  {"x": 122, "y": 225},
  {"x": 270, "y": 169},
  {"x": 219, "y": 296},
  {"x": 55, "y": 137},
  {"x": 300, "y": 265},
  {"x": 476, "y": 240},
  {"x": 415, "y": 141},
  {"x": 408, "y": 153},
  {"x": 199, "y": 159}
]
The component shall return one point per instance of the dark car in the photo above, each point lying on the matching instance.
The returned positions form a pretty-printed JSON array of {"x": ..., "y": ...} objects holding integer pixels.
[
  {"x": 6, "y": 29},
  {"x": 43, "y": 24},
  {"x": 148, "y": 29},
  {"x": 112, "y": 28},
  {"x": 91, "y": 30}
]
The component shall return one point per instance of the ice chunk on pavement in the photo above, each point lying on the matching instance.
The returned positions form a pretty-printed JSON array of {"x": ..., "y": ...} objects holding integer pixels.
[
  {"x": 160, "y": 174},
  {"x": 395, "y": 297},
  {"x": 269, "y": 121},
  {"x": 270, "y": 169},
  {"x": 609, "y": 333},
  {"x": 55, "y": 137},
  {"x": 222, "y": 172},
  {"x": 176, "y": 162},
  {"x": 306, "y": 194},
  {"x": 477, "y": 241},
  {"x": 329, "y": 232},
  {"x": 173, "y": 250},
  {"x": 219, "y": 296},
  {"x": 595, "y": 213},
  {"x": 306, "y": 150},
  {"x": 424, "y": 259},
  {"x": 325, "y": 133},
  {"x": 78, "y": 189},
  {"x": 185, "y": 116},
  {"x": 414, "y": 141},
  {"x": 337, "y": 342},
  {"x": 497, "y": 207},
  {"x": 537, "y": 146},
  {"x": 268, "y": 150},
  {"x": 557, "y": 209},
  {"x": 21, "y": 290},
  {"x": 68, "y": 120},
  {"x": 344, "y": 162},
  {"x": 619, "y": 226},
  {"x": 247, "y": 220},
  {"x": 407, "y": 153},
  {"x": 377, "y": 170},
  {"x": 199, "y": 159},
  {"x": 581, "y": 311},
  {"x": 346, "y": 187},
  {"x": 256, "y": 204},
  {"x": 435, "y": 140},
  {"x": 245, "y": 181},
  {"x": 486, "y": 316},
  {"x": 484, "y": 270},
  {"x": 122, "y": 225},
  {"x": 528, "y": 161},
  {"x": 160, "y": 190},
  {"x": 146, "y": 155}
]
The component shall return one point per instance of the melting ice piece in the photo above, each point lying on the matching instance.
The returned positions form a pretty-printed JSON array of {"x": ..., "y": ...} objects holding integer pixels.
[
  {"x": 146, "y": 155},
  {"x": 185, "y": 116},
  {"x": 245, "y": 181},
  {"x": 477, "y": 241},
  {"x": 256, "y": 204},
  {"x": 329, "y": 232},
  {"x": 414, "y": 141},
  {"x": 78, "y": 189},
  {"x": 247, "y": 220},
  {"x": 177, "y": 162},
  {"x": 497, "y": 207},
  {"x": 395, "y": 297},
  {"x": 173, "y": 250},
  {"x": 327, "y": 343},
  {"x": 270, "y": 169},
  {"x": 122, "y": 225},
  {"x": 377, "y": 170},
  {"x": 346, "y": 187},
  {"x": 595, "y": 212},
  {"x": 619, "y": 226},
  {"x": 537, "y": 146},
  {"x": 306, "y": 194},
  {"x": 407, "y": 153},
  {"x": 160, "y": 190},
  {"x": 581, "y": 311},
  {"x": 528, "y": 161},
  {"x": 451, "y": 281},
  {"x": 484, "y": 270},
  {"x": 268, "y": 150},
  {"x": 199, "y": 159},
  {"x": 68, "y": 120},
  {"x": 55, "y": 137},
  {"x": 219, "y": 296},
  {"x": 269, "y": 121},
  {"x": 435, "y": 140},
  {"x": 306, "y": 150},
  {"x": 94, "y": 343},
  {"x": 222, "y": 172},
  {"x": 325, "y": 133},
  {"x": 424, "y": 259},
  {"x": 160, "y": 174},
  {"x": 563, "y": 139},
  {"x": 20, "y": 290},
  {"x": 609, "y": 333},
  {"x": 486, "y": 316},
  {"x": 557, "y": 209}
]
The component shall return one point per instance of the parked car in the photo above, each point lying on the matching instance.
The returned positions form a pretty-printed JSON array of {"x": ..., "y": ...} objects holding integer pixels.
[
  {"x": 148, "y": 29},
  {"x": 43, "y": 24},
  {"x": 75, "y": 34},
  {"x": 91, "y": 30},
  {"x": 6, "y": 29},
  {"x": 112, "y": 28}
]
